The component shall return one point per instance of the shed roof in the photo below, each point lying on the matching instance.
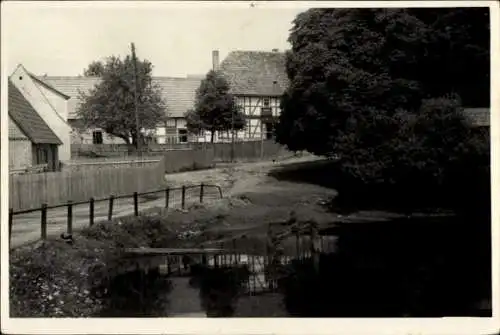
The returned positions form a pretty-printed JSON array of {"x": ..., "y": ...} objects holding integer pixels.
[
  {"x": 178, "y": 93},
  {"x": 260, "y": 73},
  {"x": 27, "y": 119}
]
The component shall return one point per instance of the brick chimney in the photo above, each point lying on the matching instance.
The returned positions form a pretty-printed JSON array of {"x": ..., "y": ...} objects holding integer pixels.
[{"x": 215, "y": 60}]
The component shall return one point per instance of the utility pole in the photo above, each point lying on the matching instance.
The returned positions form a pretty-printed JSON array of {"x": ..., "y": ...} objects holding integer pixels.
[
  {"x": 232, "y": 135},
  {"x": 136, "y": 98},
  {"x": 262, "y": 127}
]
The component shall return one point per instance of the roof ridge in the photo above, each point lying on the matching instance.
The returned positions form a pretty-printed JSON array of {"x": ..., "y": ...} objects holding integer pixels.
[
  {"x": 26, "y": 128},
  {"x": 98, "y": 78}
]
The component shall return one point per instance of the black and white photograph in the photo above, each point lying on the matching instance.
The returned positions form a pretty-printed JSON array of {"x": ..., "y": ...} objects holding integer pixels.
[{"x": 248, "y": 160}]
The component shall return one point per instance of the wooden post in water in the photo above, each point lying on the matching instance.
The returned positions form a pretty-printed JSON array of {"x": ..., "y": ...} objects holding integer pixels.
[
  {"x": 44, "y": 221},
  {"x": 270, "y": 256},
  {"x": 70, "y": 217},
  {"x": 110, "y": 211},
  {"x": 295, "y": 231},
  {"x": 236, "y": 254},
  {"x": 91, "y": 214},
  {"x": 315, "y": 245},
  {"x": 136, "y": 204},
  {"x": 167, "y": 197}
]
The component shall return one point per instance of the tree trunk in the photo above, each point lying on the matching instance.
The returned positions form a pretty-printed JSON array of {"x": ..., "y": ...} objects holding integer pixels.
[
  {"x": 125, "y": 138},
  {"x": 212, "y": 136}
]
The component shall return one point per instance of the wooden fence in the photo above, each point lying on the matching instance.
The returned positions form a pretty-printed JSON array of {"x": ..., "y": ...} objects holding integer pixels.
[
  {"x": 244, "y": 151},
  {"x": 186, "y": 160},
  {"x": 122, "y": 150},
  {"x": 110, "y": 163},
  {"x": 223, "y": 152},
  {"x": 32, "y": 190}
]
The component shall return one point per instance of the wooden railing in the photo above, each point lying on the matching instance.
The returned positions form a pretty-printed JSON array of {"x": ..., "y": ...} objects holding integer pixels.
[{"x": 91, "y": 202}]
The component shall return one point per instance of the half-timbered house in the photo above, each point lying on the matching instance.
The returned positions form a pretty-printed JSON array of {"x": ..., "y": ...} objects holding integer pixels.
[{"x": 257, "y": 79}]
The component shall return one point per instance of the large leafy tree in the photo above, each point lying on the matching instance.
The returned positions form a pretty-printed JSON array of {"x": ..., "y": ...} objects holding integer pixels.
[
  {"x": 215, "y": 107},
  {"x": 350, "y": 71},
  {"x": 360, "y": 76},
  {"x": 95, "y": 69},
  {"x": 457, "y": 55},
  {"x": 110, "y": 105}
]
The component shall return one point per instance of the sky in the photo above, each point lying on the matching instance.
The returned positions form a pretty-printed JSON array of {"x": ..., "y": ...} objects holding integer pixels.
[{"x": 62, "y": 38}]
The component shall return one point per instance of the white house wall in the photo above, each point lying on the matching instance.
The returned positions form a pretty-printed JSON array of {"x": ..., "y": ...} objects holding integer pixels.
[
  {"x": 58, "y": 102},
  {"x": 19, "y": 148},
  {"x": 40, "y": 103},
  {"x": 86, "y": 137}
]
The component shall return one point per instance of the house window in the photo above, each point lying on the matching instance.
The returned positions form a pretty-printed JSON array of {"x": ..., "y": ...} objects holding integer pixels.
[
  {"x": 266, "y": 102},
  {"x": 183, "y": 135},
  {"x": 97, "y": 137}
]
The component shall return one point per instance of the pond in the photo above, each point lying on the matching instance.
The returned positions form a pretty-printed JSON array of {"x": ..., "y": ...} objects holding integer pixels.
[{"x": 401, "y": 268}]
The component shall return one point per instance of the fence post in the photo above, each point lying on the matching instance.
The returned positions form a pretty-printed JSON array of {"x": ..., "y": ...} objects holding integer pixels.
[
  {"x": 91, "y": 214},
  {"x": 11, "y": 220},
  {"x": 183, "y": 196},
  {"x": 201, "y": 192},
  {"x": 44, "y": 222},
  {"x": 220, "y": 191},
  {"x": 70, "y": 217},
  {"x": 167, "y": 197},
  {"x": 136, "y": 204},
  {"x": 110, "y": 212}
]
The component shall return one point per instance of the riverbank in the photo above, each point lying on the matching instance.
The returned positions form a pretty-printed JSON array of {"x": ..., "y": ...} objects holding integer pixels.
[{"x": 57, "y": 279}]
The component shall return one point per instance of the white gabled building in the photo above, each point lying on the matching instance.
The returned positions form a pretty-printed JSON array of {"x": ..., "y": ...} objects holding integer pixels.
[{"x": 49, "y": 103}]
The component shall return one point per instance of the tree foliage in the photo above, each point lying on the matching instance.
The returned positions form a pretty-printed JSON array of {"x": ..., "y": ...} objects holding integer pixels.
[
  {"x": 215, "y": 107},
  {"x": 383, "y": 88},
  {"x": 110, "y": 105},
  {"x": 95, "y": 69}
]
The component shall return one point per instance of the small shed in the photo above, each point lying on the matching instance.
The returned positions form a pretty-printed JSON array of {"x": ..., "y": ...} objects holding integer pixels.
[{"x": 32, "y": 143}]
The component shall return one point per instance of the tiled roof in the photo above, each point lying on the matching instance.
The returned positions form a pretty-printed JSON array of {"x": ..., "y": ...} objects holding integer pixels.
[
  {"x": 479, "y": 117},
  {"x": 50, "y": 87},
  {"x": 178, "y": 93},
  {"x": 254, "y": 72},
  {"x": 27, "y": 119}
]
